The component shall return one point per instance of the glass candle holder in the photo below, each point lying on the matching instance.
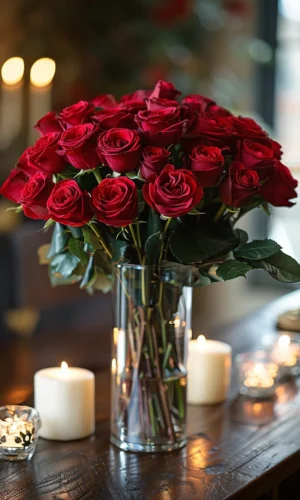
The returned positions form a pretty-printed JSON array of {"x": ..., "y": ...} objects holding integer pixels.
[
  {"x": 19, "y": 426},
  {"x": 257, "y": 374},
  {"x": 286, "y": 353}
]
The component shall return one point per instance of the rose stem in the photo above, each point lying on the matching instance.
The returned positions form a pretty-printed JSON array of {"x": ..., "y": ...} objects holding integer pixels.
[
  {"x": 220, "y": 212},
  {"x": 92, "y": 226},
  {"x": 136, "y": 243}
]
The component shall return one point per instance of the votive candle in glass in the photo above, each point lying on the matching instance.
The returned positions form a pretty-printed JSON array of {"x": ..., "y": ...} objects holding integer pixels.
[
  {"x": 286, "y": 353},
  {"x": 257, "y": 374},
  {"x": 19, "y": 426}
]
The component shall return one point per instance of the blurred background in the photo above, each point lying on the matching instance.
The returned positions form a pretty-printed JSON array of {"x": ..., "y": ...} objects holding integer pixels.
[{"x": 243, "y": 53}]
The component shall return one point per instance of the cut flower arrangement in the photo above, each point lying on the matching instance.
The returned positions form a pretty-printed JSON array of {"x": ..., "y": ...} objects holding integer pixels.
[{"x": 153, "y": 180}]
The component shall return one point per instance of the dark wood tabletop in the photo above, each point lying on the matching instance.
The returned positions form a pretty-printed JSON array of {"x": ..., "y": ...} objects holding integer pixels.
[{"x": 243, "y": 449}]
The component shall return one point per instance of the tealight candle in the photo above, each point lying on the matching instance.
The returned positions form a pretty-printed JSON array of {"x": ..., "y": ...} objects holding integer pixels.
[
  {"x": 209, "y": 371},
  {"x": 285, "y": 353},
  {"x": 19, "y": 428},
  {"x": 65, "y": 399},
  {"x": 257, "y": 374}
]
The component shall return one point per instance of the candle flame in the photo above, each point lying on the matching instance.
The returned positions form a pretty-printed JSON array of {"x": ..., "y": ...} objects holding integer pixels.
[
  {"x": 201, "y": 340},
  {"x": 284, "y": 341},
  {"x": 64, "y": 368},
  {"x": 12, "y": 70},
  {"x": 42, "y": 72}
]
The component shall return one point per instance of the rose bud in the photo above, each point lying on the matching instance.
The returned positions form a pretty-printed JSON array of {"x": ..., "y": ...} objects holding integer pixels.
[
  {"x": 253, "y": 151},
  {"x": 120, "y": 149},
  {"x": 77, "y": 113},
  {"x": 48, "y": 123},
  {"x": 79, "y": 144},
  {"x": 69, "y": 205},
  {"x": 207, "y": 163},
  {"x": 35, "y": 195},
  {"x": 43, "y": 154},
  {"x": 115, "y": 201},
  {"x": 165, "y": 90},
  {"x": 13, "y": 186},
  {"x": 174, "y": 192},
  {"x": 153, "y": 161},
  {"x": 240, "y": 186}
]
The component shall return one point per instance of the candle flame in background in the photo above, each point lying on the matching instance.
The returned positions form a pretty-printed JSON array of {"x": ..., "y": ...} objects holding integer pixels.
[
  {"x": 261, "y": 375},
  {"x": 201, "y": 340},
  {"x": 64, "y": 368},
  {"x": 12, "y": 70},
  {"x": 284, "y": 341},
  {"x": 42, "y": 72},
  {"x": 113, "y": 366}
]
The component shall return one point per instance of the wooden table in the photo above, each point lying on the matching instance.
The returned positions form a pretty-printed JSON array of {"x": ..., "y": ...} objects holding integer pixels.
[{"x": 240, "y": 450}]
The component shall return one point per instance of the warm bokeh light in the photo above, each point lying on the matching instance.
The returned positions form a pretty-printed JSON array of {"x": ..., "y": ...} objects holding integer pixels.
[
  {"x": 12, "y": 70},
  {"x": 42, "y": 72},
  {"x": 64, "y": 368},
  {"x": 284, "y": 341},
  {"x": 201, "y": 340}
]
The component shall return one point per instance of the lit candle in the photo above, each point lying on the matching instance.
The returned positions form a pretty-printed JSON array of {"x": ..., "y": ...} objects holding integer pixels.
[
  {"x": 65, "y": 400},
  {"x": 40, "y": 100},
  {"x": 19, "y": 427},
  {"x": 12, "y": 73},
  {"x": 257, "y": 374},
  {"x": 209, "y": 371},
  {"x": 285, "y": 352}
]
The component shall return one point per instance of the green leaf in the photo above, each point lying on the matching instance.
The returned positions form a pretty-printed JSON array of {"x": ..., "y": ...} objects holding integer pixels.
[
  {"x": 242, "y": 235},
  {"x": 118, "y": 248},
  {"x": 90, "y": 238},
  {"x": 190, "y": 245},
  {"x": 257, "y": 250},
  {"x": 89, "y": 274},
  {"x": 153, "y": 247},
  {"x": 154, "y": 223},
  {"x": 232, "y": 269},
  {"x": 64, "y": 264},
  {"x": 56, "y": 280},
  {"x": 83, "y": 172},
  {"x": 49, "y": 223},
  {"x": 280, "y": 266},
  {"x": 101, "y": 261},
  {"x": 131, "y": 175},
  {"x": 76, "y": 232},
  {"x": 59, "y": 240},
  {"x": 76, "y": 247}
]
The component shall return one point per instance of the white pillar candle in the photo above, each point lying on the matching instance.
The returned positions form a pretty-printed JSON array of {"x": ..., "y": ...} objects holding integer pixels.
[
  {"x": 209, "y": 371},
  {"x": 12, "y": 73},
  {"x": 65, "y": 400}
]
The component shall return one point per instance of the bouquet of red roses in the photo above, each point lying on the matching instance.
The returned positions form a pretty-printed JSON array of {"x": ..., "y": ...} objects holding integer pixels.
[{"x": 149, "y": 178}]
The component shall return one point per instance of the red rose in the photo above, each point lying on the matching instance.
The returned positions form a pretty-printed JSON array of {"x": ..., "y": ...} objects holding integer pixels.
[
  {"x": 22, "y": 164},
  {"x": 280, "y": 186},
  {"x": 164, "y": 90},
  {"x": 132, "y": 106},
  {"x": 35, "y": 194},
  {"x": 115, "y": 201},
  {"x": 161, "y": 127},
  {"x": 43, "y": 154},
  {"x": 69, "y": 205},
  {"x": 174, "y": 192},
  {"x": 252, "y": 152},
  {"x": 79, "y": 145},
  {"x": 153, "y": 161},
  {"x": 217, "y": 128},
  {"x": 14, "y": 184},
  {"x": 114, "y": 118},
  {"x": 247, "y": 127},
  {"x": 77, "y": 113},
  {"x": 240, "y": 186},
  {"x": 48, "y": 123},
  {"x": 120, "y": 149},
  {"x": 160, "y": 102},
  {"x": 207, "y": 164},
  {"x": 199, "y": 102},
  {"x": 138, "y": 95},
  {"x": 219, "y": 110},
  {"x": 104, "y": 101}
]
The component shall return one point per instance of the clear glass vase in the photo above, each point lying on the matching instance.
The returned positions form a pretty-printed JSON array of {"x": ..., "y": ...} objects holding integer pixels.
[{"x": 152, "y": 321}]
